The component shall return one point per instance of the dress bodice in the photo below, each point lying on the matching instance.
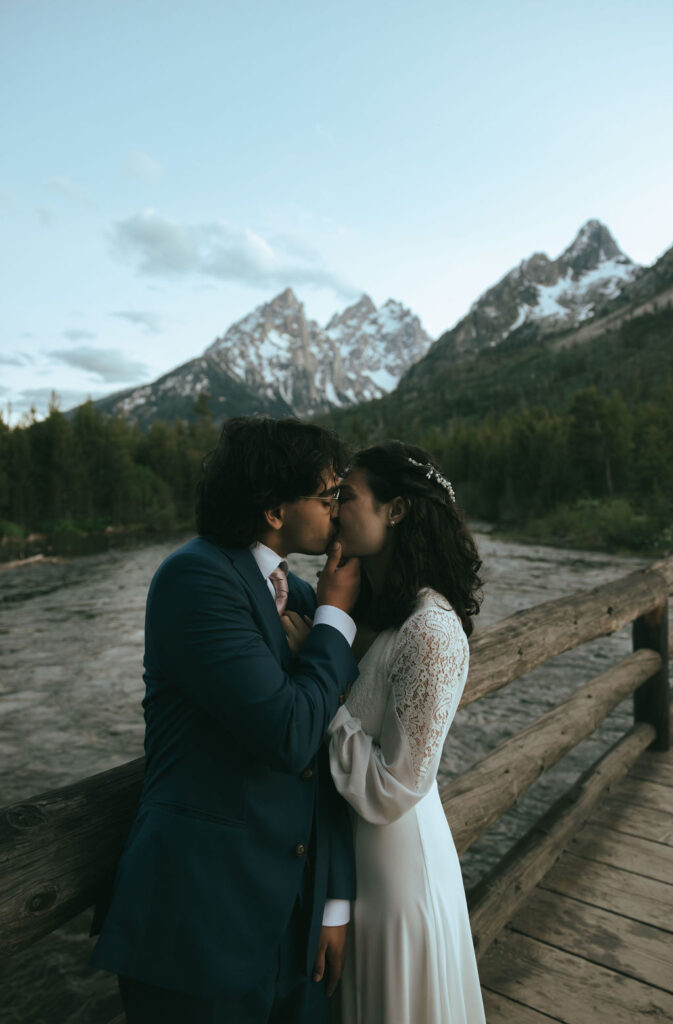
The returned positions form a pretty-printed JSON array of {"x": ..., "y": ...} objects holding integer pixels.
[
  {"x": 386, "y": 741},
  {"x": 369, "y": 694}
]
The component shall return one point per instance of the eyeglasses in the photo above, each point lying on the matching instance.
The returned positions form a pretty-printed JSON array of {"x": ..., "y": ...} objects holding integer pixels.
[{"x": 327, "y": 499}]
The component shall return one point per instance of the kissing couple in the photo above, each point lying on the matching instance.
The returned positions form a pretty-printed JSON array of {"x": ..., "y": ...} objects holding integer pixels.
[{"x": 290, "y": 834}]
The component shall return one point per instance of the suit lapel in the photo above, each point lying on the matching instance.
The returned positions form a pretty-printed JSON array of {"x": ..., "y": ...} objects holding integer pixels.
[{"x": 247, "y": 568}]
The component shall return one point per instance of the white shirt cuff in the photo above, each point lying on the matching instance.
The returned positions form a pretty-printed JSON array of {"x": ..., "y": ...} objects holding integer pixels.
[
  {"x": 328, "y": 615},
  {"x": 336, "y": 912}
]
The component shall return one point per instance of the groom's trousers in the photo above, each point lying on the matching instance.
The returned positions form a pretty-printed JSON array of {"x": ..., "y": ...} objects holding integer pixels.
[{"x": 284, "y": 995}]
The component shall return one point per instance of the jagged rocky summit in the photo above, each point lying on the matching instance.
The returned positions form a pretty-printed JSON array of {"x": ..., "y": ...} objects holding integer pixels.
[
  {"x": 276, "y": 360},
  {"x": 552, "y": 294}
]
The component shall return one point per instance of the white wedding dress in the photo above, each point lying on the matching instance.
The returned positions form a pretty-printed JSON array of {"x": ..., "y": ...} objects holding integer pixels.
[{"x": 409, "y": 956}]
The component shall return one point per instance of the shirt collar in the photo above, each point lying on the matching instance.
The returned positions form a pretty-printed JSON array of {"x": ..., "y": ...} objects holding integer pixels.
[{"x": 267, "y": 560}]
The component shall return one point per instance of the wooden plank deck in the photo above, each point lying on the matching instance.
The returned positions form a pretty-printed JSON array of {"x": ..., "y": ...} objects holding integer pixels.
[{"x": 594, "y": 942}]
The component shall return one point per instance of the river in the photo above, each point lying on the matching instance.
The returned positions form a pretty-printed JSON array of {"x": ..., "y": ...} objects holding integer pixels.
[{"x": 71, "y": 636}]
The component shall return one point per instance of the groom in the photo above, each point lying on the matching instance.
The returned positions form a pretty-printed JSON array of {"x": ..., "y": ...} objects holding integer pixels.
[{"x": 232, "y": 892}]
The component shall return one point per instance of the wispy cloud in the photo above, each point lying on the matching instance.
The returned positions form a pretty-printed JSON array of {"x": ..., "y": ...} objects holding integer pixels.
[
  {"x": 78, "y": 334},
  {"x": 152, "y": 322},
  {"x": 162, "y": 247},
  {"x": 40, "y": 399},
  {"x": 142, "y": 167},
  {"x": 14, "y": 360},
  {"x": 111, "y": 365},
  {"x": 45, "y": 216},
  {"x": 69, "y": 190},
  {"x": 296, "y": 247}
]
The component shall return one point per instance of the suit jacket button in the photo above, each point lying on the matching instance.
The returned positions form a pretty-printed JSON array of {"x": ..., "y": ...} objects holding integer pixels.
[
  {"x": 307, "y": 774},
  {"x": 299, "y": 850}
]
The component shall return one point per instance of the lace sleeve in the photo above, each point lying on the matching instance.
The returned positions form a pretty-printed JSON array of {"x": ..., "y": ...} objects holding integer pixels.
[{"x": 428, "y": 674}]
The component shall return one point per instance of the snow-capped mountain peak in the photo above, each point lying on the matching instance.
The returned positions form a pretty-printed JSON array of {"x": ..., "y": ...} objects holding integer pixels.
[
  {"x": 277, "y": 360},
  {"x": 376, "y": 345},
  {"x": 593, "y": 245},
  {"x": 553, "y": 294}
]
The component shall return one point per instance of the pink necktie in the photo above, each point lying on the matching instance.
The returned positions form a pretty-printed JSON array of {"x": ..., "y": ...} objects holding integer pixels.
[{"x": 279, "y": 580}]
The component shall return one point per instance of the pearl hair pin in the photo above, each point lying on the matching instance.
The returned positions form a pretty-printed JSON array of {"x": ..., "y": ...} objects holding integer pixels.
[{"x": 433, "y": 474}]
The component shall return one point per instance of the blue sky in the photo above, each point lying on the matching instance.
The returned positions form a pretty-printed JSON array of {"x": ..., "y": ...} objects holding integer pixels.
[{"x": 167, "y": 166}]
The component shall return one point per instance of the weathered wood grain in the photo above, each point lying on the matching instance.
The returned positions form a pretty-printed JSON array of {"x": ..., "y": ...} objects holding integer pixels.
[
  {"x": 495, "y": 900},
  {"x": 631, "y": 853},
  {"x": 569, "y": 988},
  {"x": 644, "y": 793},
  {"x": 634, "y": 949},
  {"x": 500, "y": 1010},
  {"x": 479, "y": 796},
  {"x": 661, "y": 772},
  {"x": 620, "y": 816},
  {"x": 664, "y": 568},
  {"x": 516, "y": 645},
  {"x": 659, "y": 757},
  {"x": 57, "y": 852},
  {"x": 641, "y": 899}
]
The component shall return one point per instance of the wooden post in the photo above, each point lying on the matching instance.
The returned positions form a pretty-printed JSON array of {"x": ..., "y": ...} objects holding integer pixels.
[{"x": 651, "y": 701}]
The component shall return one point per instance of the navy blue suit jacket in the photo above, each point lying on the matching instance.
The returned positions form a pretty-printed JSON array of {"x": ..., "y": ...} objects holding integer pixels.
[{"x": 237, "y": 800}]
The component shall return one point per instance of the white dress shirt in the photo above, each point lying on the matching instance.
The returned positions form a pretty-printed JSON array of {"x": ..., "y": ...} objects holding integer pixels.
[{"x": 336, "y": 911}]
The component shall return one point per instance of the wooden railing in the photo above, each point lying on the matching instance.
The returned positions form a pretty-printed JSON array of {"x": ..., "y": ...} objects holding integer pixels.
[{"x": 58, "y": 850}]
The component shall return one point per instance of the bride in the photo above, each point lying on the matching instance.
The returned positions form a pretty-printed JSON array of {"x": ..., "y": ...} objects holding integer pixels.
[{"x": 409, "y": 958}]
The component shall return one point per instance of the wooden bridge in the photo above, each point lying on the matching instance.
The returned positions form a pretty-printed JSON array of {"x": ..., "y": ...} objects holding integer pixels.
[
  {"x": 594, "y": 940},
  {"x": 575, "y": 924}
]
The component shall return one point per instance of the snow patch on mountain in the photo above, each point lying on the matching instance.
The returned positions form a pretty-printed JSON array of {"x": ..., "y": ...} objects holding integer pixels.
[
  {"x": 275, "y": 359},
  {"x": 553, "y": 294}
]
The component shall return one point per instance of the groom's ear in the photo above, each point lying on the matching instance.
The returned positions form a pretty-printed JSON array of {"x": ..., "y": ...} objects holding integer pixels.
[{"x": 275, "y": 517}]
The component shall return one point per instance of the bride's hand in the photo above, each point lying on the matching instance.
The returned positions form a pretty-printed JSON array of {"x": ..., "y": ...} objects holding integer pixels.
[{"x": 297, "y": 628}]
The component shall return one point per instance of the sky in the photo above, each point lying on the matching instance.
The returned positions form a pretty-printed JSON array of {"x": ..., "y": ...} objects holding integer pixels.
[{"x": 168, "y": 166}]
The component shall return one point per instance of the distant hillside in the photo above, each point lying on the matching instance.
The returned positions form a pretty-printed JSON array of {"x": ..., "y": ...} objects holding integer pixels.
[
  {"x": 556, "y": 423},
  {"x": 558, "y": 435},
  {"x": 627, "y": 345}
]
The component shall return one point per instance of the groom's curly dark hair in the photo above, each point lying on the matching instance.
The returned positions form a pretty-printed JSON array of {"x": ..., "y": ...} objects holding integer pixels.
[
  {"x": 432, "y": 545},
  {"x": 258, "y": 464}
]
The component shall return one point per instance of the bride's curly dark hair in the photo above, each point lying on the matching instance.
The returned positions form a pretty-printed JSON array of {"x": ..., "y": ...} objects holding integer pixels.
[{"x": 432, "y": 546}]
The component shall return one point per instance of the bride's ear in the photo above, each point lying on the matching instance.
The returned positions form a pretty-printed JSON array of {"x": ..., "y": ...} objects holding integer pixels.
[{"x": 397, "y": 511}]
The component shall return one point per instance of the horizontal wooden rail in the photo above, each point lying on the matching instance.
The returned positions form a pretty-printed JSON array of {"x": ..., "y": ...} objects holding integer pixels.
[
  {"x": 516, "y": 645},
  {"x": 477, "y": 798},
  {"x": 664, "y": 568},
  {"x": 58, "y": 850},
  {"x": 496, "y": 899}
]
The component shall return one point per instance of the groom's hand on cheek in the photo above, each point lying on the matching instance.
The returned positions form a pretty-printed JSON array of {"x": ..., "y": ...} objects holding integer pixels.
[{"x": 329, "y": 959}]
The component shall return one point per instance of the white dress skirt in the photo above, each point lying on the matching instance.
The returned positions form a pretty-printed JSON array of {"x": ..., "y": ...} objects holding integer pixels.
[{"x": 409, "y": 957}]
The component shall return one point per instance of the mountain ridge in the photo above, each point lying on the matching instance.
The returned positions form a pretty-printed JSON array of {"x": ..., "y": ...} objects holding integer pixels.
[
  {"x": 276, "y": 360},
  {"x": 625, "y": 344},
  {"x": 564, "y": 291}
]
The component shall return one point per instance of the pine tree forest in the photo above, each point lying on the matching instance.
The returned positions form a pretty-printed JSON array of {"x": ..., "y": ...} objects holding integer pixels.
[{"x": 594, "y": 474}]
